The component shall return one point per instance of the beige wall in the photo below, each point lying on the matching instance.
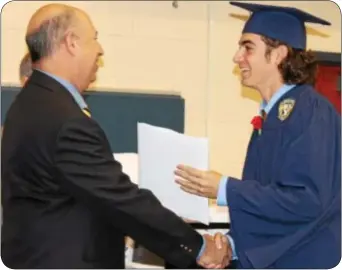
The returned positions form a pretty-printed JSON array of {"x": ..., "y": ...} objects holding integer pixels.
[{"x": 150, "y": 46}]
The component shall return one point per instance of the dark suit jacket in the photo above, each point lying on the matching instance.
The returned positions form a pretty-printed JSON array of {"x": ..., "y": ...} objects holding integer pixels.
[{"x": 66, "y": 202}]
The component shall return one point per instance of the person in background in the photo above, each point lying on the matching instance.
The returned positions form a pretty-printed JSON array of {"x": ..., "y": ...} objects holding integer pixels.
[
  {"x": 25, "y": 69},
  {"x": 286, "y": 211},
  {"x": 66, "y": 201}
]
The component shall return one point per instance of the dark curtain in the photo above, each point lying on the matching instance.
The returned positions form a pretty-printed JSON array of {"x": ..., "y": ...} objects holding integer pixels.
[{"x": 328, "y": 84}]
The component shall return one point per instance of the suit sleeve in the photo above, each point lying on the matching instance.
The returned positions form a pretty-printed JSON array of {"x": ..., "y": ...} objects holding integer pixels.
[{"x": 88, "y": 171}]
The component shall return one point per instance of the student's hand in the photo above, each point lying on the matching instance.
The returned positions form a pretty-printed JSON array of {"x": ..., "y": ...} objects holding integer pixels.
[{"x": 198, "y": 182}]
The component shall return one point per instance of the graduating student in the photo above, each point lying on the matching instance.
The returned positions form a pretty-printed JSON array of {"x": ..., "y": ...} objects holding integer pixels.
[{"x": 286, "y": 211}]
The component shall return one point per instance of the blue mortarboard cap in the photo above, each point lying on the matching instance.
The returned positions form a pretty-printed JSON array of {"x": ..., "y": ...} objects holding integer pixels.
[{"x": 285, "y": 24}]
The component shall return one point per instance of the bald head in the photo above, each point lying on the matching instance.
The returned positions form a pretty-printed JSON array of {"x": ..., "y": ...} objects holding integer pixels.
[
  {"x": 45, "y": 14},
  {"x": 47, "y": 28},
  {"x": 49, "y": 12}
]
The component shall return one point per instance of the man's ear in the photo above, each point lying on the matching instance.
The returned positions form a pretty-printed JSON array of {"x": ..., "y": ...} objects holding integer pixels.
[{"x": 70, "y": 42}]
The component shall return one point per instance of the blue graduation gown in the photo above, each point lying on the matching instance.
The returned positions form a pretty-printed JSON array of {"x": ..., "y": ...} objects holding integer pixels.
[{"x": 286, "y": 211}]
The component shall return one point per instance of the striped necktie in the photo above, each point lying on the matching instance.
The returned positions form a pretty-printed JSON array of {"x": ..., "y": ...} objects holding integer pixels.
[
  {"x": 86, "y": 112},
  {"x": 263, "y": 115}
]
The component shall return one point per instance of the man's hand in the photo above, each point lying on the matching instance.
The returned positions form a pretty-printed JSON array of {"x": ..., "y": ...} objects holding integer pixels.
[
  {"x": 217, "y": 253},
  {"x": 198, "y": 182}
]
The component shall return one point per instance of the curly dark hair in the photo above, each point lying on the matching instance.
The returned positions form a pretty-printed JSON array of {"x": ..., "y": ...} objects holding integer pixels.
[{"x": 298, "y": 67}]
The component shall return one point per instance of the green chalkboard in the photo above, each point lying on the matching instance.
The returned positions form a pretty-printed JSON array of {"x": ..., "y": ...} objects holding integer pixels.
[{"x": 118, "y": 113}]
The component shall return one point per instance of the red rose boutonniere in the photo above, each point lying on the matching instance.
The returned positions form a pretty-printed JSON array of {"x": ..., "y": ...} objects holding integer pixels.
[{"x": 257, "y": 122}]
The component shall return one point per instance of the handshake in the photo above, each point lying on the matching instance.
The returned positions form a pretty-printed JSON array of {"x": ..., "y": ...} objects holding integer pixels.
[{"x": 217, "y": 253}]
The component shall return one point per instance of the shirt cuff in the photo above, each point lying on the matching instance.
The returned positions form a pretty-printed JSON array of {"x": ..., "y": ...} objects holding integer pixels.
[
  {"x": 222, "y": 192},
  {"x": 202, "y": 249},
  {"x": 232, "y": 244}
]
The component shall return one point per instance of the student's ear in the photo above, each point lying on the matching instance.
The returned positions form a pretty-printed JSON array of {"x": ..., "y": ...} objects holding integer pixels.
[{"x": 282, "y": 52}]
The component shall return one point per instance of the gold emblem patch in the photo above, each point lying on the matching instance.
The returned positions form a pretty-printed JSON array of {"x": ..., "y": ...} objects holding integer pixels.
[{"x": 285, "y": 108}]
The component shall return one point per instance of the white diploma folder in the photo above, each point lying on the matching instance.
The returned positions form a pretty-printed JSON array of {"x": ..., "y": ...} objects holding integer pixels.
[
  {"x": 129, "y": 163},
  {"x": 160, "y": 150}
]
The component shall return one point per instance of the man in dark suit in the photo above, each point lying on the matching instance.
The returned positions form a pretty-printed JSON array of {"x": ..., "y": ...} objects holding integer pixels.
[{"x": 66, "y": 202}]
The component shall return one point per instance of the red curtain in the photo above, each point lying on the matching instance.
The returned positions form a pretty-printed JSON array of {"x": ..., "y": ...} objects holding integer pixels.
[{"x": 327, "y": 84}]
